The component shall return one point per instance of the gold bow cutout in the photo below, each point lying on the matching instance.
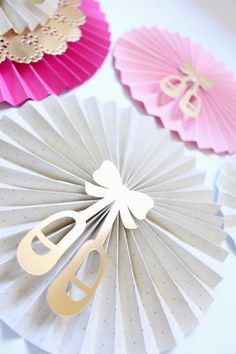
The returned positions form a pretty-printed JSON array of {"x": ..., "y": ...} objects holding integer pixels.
[
  {"x": 174, "y": 85},
  {"x": 113, "y": 194}
]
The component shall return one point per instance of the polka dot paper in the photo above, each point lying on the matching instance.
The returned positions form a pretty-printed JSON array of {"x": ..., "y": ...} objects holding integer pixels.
[
  {"x": 181, "y": 84},
  {"x": 158, "y": 275}
]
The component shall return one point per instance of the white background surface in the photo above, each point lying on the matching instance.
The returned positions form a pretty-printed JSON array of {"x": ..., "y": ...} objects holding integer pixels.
[{"x": 213, "y": 24}]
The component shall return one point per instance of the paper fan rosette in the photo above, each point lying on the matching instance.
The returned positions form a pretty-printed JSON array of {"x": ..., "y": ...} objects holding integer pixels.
[
  {"x": 64, "y": 52},
  {"x": 109, "y": 239},
  {"x": 19, "y": 15},
  {"x": 226, "y": 184},
  {"x": 34, "y": 41},
  {"x": 180, "y": 83}
]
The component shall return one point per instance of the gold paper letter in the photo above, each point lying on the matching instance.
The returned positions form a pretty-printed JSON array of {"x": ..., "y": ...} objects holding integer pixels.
[
  {"x": 58, "y": 298},
  {"x": 36, "y": 264}
]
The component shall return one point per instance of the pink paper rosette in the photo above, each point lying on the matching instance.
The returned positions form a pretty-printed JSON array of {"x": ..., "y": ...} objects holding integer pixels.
[
  {"x": 56, "y": 73},
  {"x": 181, "y": 84}
]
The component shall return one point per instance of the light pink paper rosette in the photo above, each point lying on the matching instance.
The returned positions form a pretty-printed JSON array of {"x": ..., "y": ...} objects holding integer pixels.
[
  {"x": 181, "y": 84},
  {"x": 55, "y": 74}
]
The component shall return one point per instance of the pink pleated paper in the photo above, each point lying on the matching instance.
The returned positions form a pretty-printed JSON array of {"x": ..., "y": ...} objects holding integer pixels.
[
  {"x": 55, "y": 74},
  {"x": 144, "y": 57}
]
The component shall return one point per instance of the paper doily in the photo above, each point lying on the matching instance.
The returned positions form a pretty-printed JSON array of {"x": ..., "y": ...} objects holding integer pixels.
[{"x": 158, "y": 277}]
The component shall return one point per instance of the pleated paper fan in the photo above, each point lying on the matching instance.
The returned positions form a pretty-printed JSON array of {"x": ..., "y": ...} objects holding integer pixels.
[
  {"x": 180, "y": 83},
  {"x": 18, "y": 15},
  {"x": 227, "y": 195},
  {"x": 54, "y": 74},
  {"x": 160, "y": 268},
  {"x": 51, "y": 38}
]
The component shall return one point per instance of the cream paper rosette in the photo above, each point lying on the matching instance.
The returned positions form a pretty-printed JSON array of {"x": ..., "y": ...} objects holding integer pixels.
[
  {"x": 227, "y": 194},
  {"x": 52, "y": 38},
  {"x": 159, "y": 273},
  {"x": 18, "y": 15}
]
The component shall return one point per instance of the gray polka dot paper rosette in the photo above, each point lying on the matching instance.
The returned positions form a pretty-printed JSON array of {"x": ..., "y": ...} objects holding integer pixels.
[{"x": 160, "y": 266}]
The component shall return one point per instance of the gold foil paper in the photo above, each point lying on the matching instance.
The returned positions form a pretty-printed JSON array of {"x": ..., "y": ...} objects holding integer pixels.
[
  {"x": 188, "y": 85},
  {"x": 121, "y": 200}
]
